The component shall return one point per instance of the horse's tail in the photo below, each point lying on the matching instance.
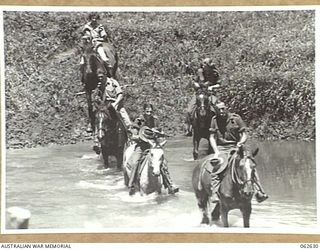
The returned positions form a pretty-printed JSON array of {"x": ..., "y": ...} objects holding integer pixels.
[
  {"x": 196, "y": 178},
  {"x": 116, "y": 65}
]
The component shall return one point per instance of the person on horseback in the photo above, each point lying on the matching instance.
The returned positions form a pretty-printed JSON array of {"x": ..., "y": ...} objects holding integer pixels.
[
  {"x": 142, "y": 144},
  {"x": 207, "y": 79},
  {"x": 109, "y": 89},
  {"x": 227, "y": 131},
  {"x": 96, "y": 33}
]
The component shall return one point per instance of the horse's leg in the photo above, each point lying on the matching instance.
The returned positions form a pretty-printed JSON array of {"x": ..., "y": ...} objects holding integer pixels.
[
  {"x": 105, "y": 155},
  {"x": 202, "y": 198},
  {"x": 210, "y": 149},
  {"x": 90, "y": 126},
  {"x": 119, "y": 158},
  {"x": 246, "y": 212},
  {"x": 224, "y": 215},
  {"x": 196, "y": 141},
  {"x": 215, "y": 215}
]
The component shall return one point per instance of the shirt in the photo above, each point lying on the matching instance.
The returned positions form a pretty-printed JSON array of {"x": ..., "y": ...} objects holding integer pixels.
[
  {"x": 208, "y": 74},
  {"x": 229, "y": 129},
  {"x": 98, "y": 32},
  {"x": 112, "y": 88},
  {"x": 151, "y": 121}
]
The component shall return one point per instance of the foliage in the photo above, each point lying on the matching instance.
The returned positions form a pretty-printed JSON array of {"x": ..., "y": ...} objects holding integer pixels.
[{"x": 266, "y": 61}]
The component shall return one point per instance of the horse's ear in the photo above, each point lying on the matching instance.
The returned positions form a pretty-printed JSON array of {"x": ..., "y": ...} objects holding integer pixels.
[{"x": 255, "y": 152}]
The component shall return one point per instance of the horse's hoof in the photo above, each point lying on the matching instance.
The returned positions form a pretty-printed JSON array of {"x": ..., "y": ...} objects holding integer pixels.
[
  {"x": 132, "y": 191},
  {"x": 205, "y": 220}
]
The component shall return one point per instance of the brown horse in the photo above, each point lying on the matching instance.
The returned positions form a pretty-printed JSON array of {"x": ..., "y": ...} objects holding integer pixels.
[
  {"x": 111, "y": 133},
  {"x": 201, "y": 120},
  {"x": 90, "y": 69},
  {"x": 236, "y": 187}
]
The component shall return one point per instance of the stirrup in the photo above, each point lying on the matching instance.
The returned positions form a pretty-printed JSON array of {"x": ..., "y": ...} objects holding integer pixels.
[
  {"x": 260, "y": 197},
  {"x": 96, "y": 149},
  {"x": 173, "y": 190}
]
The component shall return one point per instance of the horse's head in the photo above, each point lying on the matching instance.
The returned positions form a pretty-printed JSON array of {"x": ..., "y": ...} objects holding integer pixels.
[
  {"x": 243, "y": 172},
  {"x": 156, "y": 157},
  {"x": 202, "y": 102},
  {"x": 91, "y": 64},
  {"x": 106, "y": 119}
]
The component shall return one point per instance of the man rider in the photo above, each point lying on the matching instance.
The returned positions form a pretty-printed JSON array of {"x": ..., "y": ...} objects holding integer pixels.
[
  {"x": 207, "y": 78},
  {"x": 151, "y": 121},
  {"x": 98, "y": 35},
  {"x": 228, "y": 131},
  {"x": 109, "y": 88}
]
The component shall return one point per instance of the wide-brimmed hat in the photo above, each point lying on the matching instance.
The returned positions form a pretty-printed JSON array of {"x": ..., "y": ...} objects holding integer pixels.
[{"x": 146, "y": 134}]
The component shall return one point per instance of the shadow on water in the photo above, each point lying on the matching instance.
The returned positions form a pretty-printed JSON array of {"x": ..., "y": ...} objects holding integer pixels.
[{"x": 65, "y": 187}]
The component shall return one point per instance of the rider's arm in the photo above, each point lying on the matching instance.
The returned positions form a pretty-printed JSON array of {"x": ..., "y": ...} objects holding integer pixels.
[
  {"x": 102, "y": 32},
  {"x": 200, "y": 75},
  {"x": 243, "y": 139},
  {"x": 242, "y": 131},
  {"x": 213, "y": 143},
  {"x": 213, "y": 136},
  {"x": 117, "y": 101},
  {"x": 119, "y": 93},
  {"x": 86, "y": 30}
]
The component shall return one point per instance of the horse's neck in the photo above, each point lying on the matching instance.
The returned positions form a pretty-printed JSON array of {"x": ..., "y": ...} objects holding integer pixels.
[{"x": 227, "y": 183}]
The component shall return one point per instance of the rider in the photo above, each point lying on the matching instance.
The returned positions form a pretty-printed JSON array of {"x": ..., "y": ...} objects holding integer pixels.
[
  {"x": 151, "y": 121},
  {"x": 109, "y": 88},
  {"x": 228, "y": 130},
  {"x": 207, "y": 79},
  {"x": 98, "y": 35}
]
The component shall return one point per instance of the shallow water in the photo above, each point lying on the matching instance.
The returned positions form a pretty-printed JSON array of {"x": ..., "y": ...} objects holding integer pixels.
[{"x": 64, "y": 187}]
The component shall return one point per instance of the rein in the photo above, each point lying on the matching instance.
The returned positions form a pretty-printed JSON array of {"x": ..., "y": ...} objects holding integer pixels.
[
  {"x": 101, "y": 127},
  {"x": 235, "y": 176}
]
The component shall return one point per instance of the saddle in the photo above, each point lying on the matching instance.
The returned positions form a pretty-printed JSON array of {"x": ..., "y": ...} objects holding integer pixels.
[{"x": 215, "y": 165}]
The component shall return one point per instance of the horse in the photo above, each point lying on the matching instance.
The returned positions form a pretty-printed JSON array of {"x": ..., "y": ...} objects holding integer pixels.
[
  {"x": 236, "y": 188},
  {"x": 110, "y": 132},
  {"x": 149, "y": 172},
  {"x": 90, "y": 69},
  {"x": 201, "y": 120}
]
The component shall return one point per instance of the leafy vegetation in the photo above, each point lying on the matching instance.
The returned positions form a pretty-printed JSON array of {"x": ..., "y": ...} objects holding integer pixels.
[{"x": 266, "y": 62}]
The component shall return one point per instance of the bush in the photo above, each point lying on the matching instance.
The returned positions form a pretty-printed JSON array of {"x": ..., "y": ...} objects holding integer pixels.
[{"x": 266, "y": 61}]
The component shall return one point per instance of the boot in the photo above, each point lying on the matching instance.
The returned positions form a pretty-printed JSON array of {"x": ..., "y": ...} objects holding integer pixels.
[
  {"x": 132, "y": 179},
  {"x": 188, "y": 126},
  {"x": 261, "y": 196},
  {"x": 97, "y": 146},
  {"x": 132, "y": 191},
  {"x": 172, "y": 189},
  {"x": 188, "y": 130},
  {"x": 215, "y": 183}
]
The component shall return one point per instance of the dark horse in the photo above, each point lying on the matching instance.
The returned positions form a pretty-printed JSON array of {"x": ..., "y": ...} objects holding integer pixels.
[
  {"x": 110, "y": 132},
  {"x": 201, "y": 120},
  {"x": 236, "y": 187},
  {"x": 90, "y": 69}
]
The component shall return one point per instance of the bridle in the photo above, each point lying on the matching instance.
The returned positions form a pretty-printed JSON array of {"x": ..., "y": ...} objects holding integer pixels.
[
  {"x": 235, "y": 175},
  {"x": 102, "y": 116}
]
